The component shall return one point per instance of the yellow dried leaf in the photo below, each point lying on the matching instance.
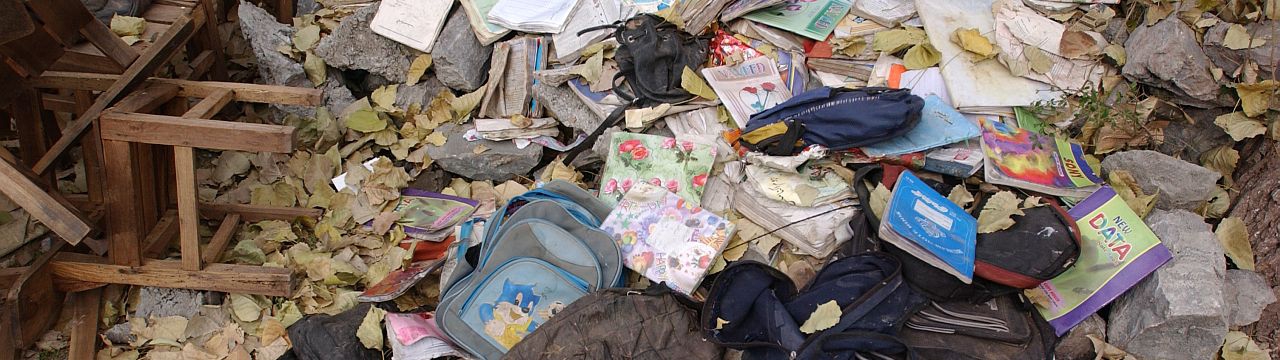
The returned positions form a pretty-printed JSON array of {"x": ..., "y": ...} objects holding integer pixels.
[
  {"x": 691, "y": 82},
  {"x": 128, "y": 25},
  {"x": 417, "y": 68},
  {"x": 436, "y": 138},
  {"x": 896, "y": 40},
  {"x": 479, "y": 149},
  {"x": 822, "y": 318},
  {"x": 1238, "y": 346},
  {"x": 998, "y": 212},
  {"x": 1127, "y": 187},
  {"x": 720, "y": 323},
  {"x": 1116, "y": 52},
  {"x": 921, "y": 56},
  {"x": 972, "y": 41},
  {"x": 131, "y": 39},
  {"x": 306, "y": 38},
  {"x": 1107, "y": 351},
  {"x": 1222, "y": 159},
  {"x": 1238, "y": 38},
  {"x": 960, "y": 196},
  {"x": 1234, "y": 237},
  {"x": 364, "y": 119},
  {"x": 1240, "y": 126},
  {"x": 879, "y": 200},
  {"x": 245, "y": 307},
  {"x": 1255, "y": 98},
  {"x": 384, "y": 98},
  {"x": 1037, "y": 59},
  {"x": 736, "y": 248},
  {"x": 591, "y": 69},
  {"x": 463, "y": 105},
  {"x": 315, "y": 69}
]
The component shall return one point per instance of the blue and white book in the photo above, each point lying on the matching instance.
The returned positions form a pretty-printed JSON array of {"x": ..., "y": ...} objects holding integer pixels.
[
  {"x": 926, "y": 225},
  {"x": 940, "y": 124}
]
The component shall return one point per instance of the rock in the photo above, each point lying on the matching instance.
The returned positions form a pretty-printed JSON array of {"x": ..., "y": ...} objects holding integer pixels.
[
  {"x": 1076, "y": 344},
  {"x": 354, "y": 46},
  {"x": 565, "y": 106},
  {"x": 457, "y": 57},
  {"x": 1246, "y": 294},
  {"x": 433, "y": 179},
  {"x": 1267, "y": 56},
  {"x": 1167, "y": 56},
  {"x": 1187, "y": 141},
  {"x": 503, "y": 161},
  {"x": 420, "y": 93},
  {"x": 161, "y": 302},
  {"x": 121, "y": 333},
  {"x": 264, "y": 36},
  {"x": 1178, "y": 311},
  {"x": 1181, "y": 185}
]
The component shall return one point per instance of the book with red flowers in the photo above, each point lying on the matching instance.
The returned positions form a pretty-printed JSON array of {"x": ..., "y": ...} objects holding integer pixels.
[
  {"x": 676, "y": 164},
  {"x": 666, "y": 238},
  {"x": 747, "y": 88}
]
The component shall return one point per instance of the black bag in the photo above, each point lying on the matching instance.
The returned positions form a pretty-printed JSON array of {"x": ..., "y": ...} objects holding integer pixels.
[
  {"x": 1039, "y": 246},
  {"x": 331, "y": 337},
  {"x": 652, "y": 54},
  {"x": 934, "y": 283},
  {"x": 620, "y": 324},
  {"x": 837, "y": 118},
  {"x": 756, "y": 308},
  {"x": 1004, "y": 328}
]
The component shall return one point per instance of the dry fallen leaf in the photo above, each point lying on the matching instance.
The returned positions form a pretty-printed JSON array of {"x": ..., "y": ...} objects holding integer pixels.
[
  {"x": 960, "y": 196},
  {"x": 892, "y": 41},
  {"x": 315, "y": 69},
  {"x": 1238, "y": 38},
  {"x": 720, "y": 323},
  {"x": 1116, "y": 52},
  {"x": 1127, "y": 187},
  {"x": 822, "y": 318},
  {"x": 370, "y": 331},
  {"x": 921, "y": 56},
  {"x": 1107, "y": 351},
  {"x": 998, "y": 212},
  {"x": 1240, "y": 126},
  {"x": 479, "y": 149},
  {"x": 1238, "y": 346},
  {"x": 306, "y": 38},
  {"x": 1077, "y": 45},
  {"x": 417, "y": 68},
  {"x": 128, "y": 25},
  {"x": 1222, "y": 159},
  {"x": 1256, "y": 98},
  {"x": 1038, "y": 60},
  {"x": 879, "y": 200},
  {"x": 691, "y": 82},
  {"x": 384, "y": 98},
  {"x": 1234, "y": 236},
  {"x": 972, "y": 41},
  {"x": 364, "y": 119}
]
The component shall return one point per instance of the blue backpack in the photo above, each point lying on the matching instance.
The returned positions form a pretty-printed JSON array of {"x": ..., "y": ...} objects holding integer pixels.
[
  {"x": 837, "y": 118},
  {"x": 537, "y": 254}
]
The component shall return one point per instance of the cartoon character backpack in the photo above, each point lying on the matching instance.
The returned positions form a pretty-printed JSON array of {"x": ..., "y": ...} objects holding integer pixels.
[{"x": 537, "y": 254}]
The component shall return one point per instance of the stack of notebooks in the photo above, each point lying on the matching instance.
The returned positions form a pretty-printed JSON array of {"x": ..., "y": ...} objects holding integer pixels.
[
  {"x": 923, "y": 223},
  {"x": 665, "y": 238}
]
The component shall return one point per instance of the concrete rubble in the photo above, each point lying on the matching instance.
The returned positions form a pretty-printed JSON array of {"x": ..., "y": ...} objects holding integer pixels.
[
  {"x": 1181, "y": 185},
  {"x": 502, "y": 161}
]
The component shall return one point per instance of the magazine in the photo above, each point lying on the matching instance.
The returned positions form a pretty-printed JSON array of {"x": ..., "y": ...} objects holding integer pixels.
[
  {"x": 742, "y": 7},
  {"x": 939, "y": 125},
  {"x": 815, "y": 20},
  {"x": 747, "y": 88},
  {"x": 1051, "y": 165},
  {"x": 1117, "y": 250},
  {"x": 961, "y": 160},
  {"x": 431, "y": 216},
  {"x": 415, "y": 24},
  {"x": 926, "y": 225},
  {"x": 666, "y": 238}
]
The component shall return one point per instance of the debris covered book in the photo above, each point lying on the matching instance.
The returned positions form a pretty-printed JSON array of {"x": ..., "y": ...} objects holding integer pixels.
[
  {"x": 926, "y": 225},
  {"x": 1117, "y": 250},
  {"x": 1048, "y": 164},
  {"x": 747, "y": 88},
  {"x": 666, "y": 238}
]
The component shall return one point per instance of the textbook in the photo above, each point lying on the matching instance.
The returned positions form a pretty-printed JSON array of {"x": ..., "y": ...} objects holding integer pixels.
[
  {"x": 666, "y": 238},
  {"x": 1117, "y": 251},
  {"x": 747, "y": 88},
  {"x": 926, "y": 225},
  {"x": 814, "y": 20},
  {"x": 1048, "y": 164},
  {"x": 940, "y": 124}
]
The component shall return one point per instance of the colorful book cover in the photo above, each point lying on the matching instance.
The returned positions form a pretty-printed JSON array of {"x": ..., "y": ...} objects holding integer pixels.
[
  {"x": 1117, "y": 251},
  {"x": 431, "y": 216},
  {"x": 1018, "y": 157},
  {"x": 939, "y": 125},
  {"x": 808, "y": 18},
  {"x": 926, "y": 225},
  {"x": 681, "y": 166},
  {"x": 747, "y": 88},
  {"x": 666, "y": 238},
  {"x": 1028, "y": 120}
]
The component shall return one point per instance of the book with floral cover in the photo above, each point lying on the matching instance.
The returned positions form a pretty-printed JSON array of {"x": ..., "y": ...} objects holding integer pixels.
[
  {"x": 666, "y": 238},
  {"x": 747, "y": 88},
  {"x": 679, "y": 165}
]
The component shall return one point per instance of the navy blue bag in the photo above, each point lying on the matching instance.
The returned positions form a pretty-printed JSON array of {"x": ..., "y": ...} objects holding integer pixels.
[
  {"x": 837, "y": 118},
  {"x": 756, "y": 308}
]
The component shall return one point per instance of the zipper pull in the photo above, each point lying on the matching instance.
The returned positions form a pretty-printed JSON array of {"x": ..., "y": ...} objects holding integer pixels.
[{"x": 793, "y": 355}]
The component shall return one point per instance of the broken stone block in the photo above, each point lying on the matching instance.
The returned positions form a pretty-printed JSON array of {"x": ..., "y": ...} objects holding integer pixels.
[
  {"x": 162, "y": 302},
  {"x": 1181, "y": 185},
  {"x": 501, "y": 161},
  {"x": 1178, "y": 311},
  {"x": 1076, "y": 344},
  {"x": 565, "y": 105},
  {"x": 265, "y": 36},
  {"x": 121, "y": 333},
  {"x": 1247, "y": 294},
  {"x": 353, "y": 45},
  {"x": 1167, "y": 56},
  {"x": 457, "y": 57},
  {"x": 420, "y": 93}
]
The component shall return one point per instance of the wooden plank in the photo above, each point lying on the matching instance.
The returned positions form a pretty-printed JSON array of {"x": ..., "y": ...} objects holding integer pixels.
[
  {"x": 240, "y": 279},
  {"x": 87, "y": 63},
  {"x": 27, "y": 115},
  {"x": 255, "y": 213},
  {"x": 58, "y": 104},
  {"x": 210, "y": 39},
  {"x": 91, "y": 151},
  {"x": 123, "y": 223},
  {"x": 164, "y": 13},
  {"x": 83, "y": 344},
  {"x": 31, "y": 305},
  {"x": 34, "y": 52},
  {"x": 254, "y": 93},
  {"x": 196, "y": 133},
  {"x": 161, "y": 235},
  {"x": 200, "y": 65},
  {"x": 221, "y": 238},
  {"x": 60, "y": 219},
  {"x": 156, "y": 56},
  {"x": 111, "y": 45},
  {"x": 211, "y": 105},
  {"x": 188, "y": 207},
  {"x": 147, "y": 98},
  {"x": 63, "y": 18}
]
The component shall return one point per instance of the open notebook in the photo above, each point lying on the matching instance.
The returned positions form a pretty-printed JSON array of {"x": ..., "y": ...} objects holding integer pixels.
[
  {"x": 413, "y": 23},
  {"x": 535, "y": 16}
]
